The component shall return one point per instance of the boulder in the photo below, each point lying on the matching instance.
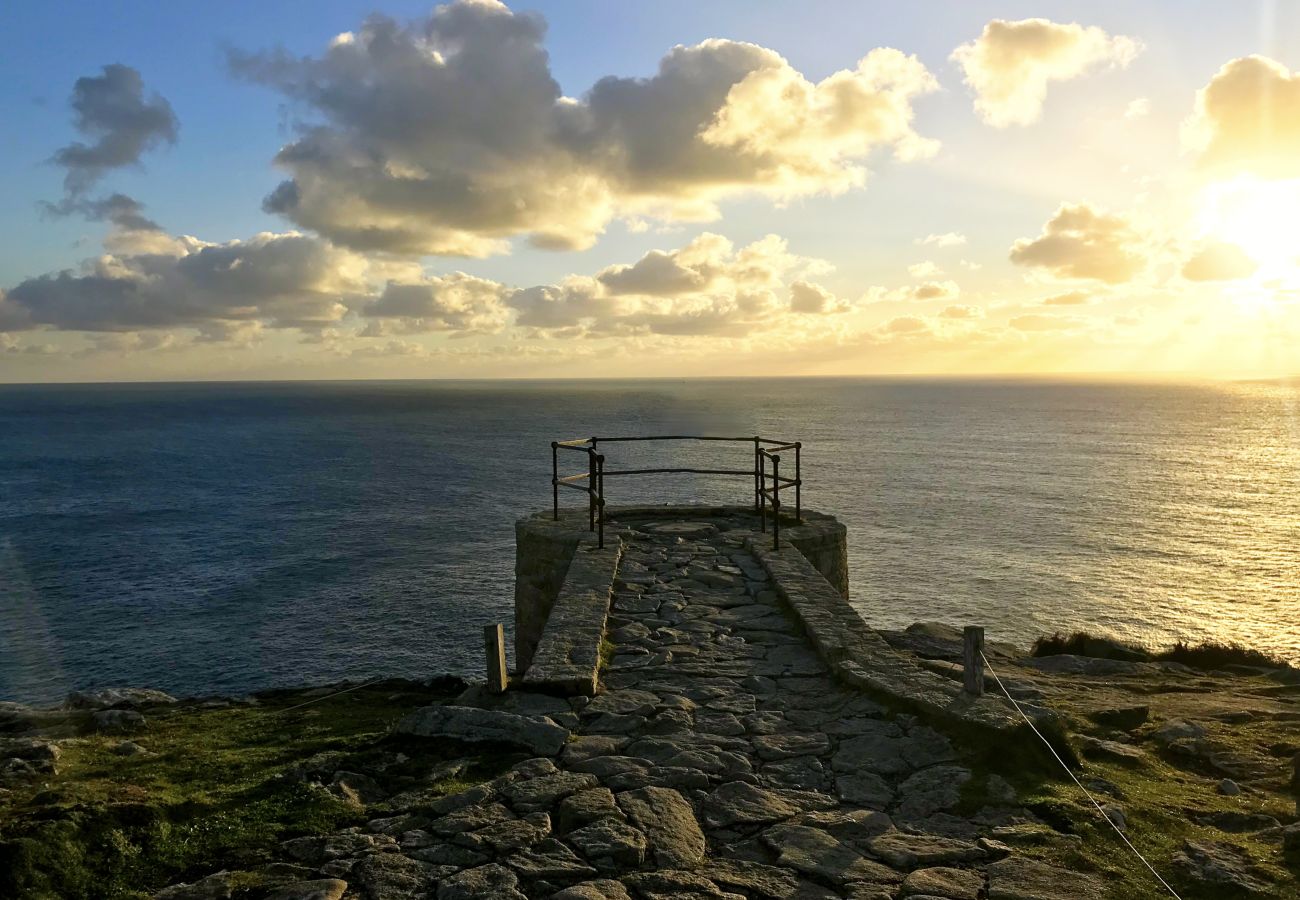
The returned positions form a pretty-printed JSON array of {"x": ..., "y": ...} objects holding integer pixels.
[
  {"x": 118, "y": 721},
  {"x": 1221, "y": 867},
  {"x": 319, "y": 889},
  {"x": 1017, "y": 878},
  {"x": 538, "y": 734},
  {"x": 217, "y": 886},
  {"x": 118, "y": 698},
  {"x": 668, "y": 823}
]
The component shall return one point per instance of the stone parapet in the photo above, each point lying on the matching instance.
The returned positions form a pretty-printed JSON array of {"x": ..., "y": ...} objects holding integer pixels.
[
  {"x": 567, "y": 658},
  {"x": 859, "y": 656}
]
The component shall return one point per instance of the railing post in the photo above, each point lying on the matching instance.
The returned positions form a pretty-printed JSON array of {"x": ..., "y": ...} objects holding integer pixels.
[
  {"x": 972, "y": 660},
  {"x": 555, "y": 480},
  {"x": 776, "y": 502},
  {"x": 798, "y": 484},
  {"x": 494, "y": 644},
  {"x": 758, "y": 485},
  {"x": 762, "y": 495},
  {"x": 600, "y": 499},
  {"x": 591, "y": 491}
]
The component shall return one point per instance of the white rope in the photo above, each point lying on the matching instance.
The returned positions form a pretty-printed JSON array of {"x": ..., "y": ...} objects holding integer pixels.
[
  {"x": 335, "y": 694},
  {"x": 1068, "y": 771}
]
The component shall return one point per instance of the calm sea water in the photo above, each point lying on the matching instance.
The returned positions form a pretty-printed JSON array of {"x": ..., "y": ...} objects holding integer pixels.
[{"x": 221, "y": 538}]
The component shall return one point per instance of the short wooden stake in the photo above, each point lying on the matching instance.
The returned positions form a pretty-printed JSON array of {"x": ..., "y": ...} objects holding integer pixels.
[
  {"x": 972, "y": 660},
  {"x": 494, "y": 643}
]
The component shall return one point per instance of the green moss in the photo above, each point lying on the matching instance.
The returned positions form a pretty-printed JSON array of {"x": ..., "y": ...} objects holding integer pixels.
[{"x": 216, "y": 791}]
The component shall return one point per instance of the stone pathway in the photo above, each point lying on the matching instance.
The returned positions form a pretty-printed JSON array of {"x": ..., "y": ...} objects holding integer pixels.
[{"x": 720, "y": 761}]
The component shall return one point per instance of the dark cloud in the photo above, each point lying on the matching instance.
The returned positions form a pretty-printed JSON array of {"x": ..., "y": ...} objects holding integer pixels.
[
  {"x": 450, "y": 135},
  {"x": 113, "y": 110},
  {"x": 286, "y": 280}
]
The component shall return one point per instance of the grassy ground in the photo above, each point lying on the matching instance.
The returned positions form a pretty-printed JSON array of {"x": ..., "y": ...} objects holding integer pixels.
[
  {"x": 217, "y": 790},
  {"x": 1161, "y": 799}
]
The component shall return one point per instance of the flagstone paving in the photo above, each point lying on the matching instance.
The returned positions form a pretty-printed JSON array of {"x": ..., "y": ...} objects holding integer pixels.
[{"x": 720, "y": 760}]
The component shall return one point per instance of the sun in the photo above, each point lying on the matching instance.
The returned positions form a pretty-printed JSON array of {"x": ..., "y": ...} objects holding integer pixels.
[{"x": 1260, "y": 217}]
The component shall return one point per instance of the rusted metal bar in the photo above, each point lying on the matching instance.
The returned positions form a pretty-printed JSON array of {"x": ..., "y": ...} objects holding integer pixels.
[
  {"x": 692, "y": 471},
  {"x": 757, "y": 485},
  {"x": 600, "y": 499},
  {"x": 671, "y": 437},
  {"x": 798, "y": 484},
  {"x": 762, "y": 492},
  {"x": 576, "y": 487},
  {"x": 591, "y": 491},
  {"x": 776, "y": 502},
  {"x": 576, "y": 442},
  {"x": 782, "y": 448},
  {"x": 555, "y": 481},
  {"x": 579, "y": 477}
]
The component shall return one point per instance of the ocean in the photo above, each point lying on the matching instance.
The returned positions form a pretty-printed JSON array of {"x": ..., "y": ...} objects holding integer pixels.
[{"x": 220, "y": 538}]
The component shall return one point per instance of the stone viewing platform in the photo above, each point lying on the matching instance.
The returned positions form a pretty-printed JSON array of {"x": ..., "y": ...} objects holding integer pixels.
[{"x": 734, "y": 729}]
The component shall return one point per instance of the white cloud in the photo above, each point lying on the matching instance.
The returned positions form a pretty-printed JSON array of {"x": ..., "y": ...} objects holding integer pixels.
[
  {"x": 1080, "y": 241},
  {"x": 1011, "y": 63},
  {"x": 959, "y": 311},
  {"x": 925, "y": 269},
  {"x": 1247, "y": 120},
  {"x": 458, "y": 302},
  {"x": 947, "y": 239},
  {"x": 451, "y": 136},
  {"x": 1138, "y": 108},
  {"x": 709, "y": 287}
]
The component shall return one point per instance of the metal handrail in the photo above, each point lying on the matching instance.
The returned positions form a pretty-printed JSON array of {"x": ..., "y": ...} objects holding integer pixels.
[{"x": 765, "y": 450}]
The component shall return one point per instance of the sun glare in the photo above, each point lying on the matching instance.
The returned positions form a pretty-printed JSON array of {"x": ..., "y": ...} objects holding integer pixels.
[{"x": 1260, "y": 217}]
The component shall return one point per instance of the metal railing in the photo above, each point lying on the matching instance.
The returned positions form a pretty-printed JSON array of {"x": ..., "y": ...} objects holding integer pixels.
[{"x": 766, "y": 450}]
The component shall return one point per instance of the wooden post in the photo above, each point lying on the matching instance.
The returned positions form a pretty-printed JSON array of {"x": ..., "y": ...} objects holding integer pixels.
[
  {"x": 972, "y": 660},
  {"x": 494, "y": 643}
]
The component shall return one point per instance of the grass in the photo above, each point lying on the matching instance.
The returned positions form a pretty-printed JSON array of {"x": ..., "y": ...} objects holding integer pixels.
[
  {"x": 1156, "y": 800},
  {"x": 1205, "y": 655},
  {"x": 217, "y": 791}
]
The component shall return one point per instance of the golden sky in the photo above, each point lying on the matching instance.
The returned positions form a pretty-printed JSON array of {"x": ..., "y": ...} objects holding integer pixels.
[{"x": 438, "y": 200}]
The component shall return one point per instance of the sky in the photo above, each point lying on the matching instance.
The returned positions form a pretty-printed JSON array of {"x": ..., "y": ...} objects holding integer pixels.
[{"x": 592, "y": 189}]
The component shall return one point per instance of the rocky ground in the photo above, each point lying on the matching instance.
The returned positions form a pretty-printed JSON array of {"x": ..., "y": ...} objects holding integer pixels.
[{"x": 721, "y": 761}]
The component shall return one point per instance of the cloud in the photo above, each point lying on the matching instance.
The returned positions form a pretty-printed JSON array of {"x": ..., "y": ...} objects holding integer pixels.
[
  {"x": 1071, "y": 298},
  {"x": 1044, "y": 322},
  {"x": 283, "y": 280},
  {"x": 925, "y": 269},
  {"x": 451, "y": 136},
  {"x": 806, "y": 297},
  {"x": 961, "y": 312},
  {"x": 1011, "y": 63},
  {"x": 934, "y": 290},
  {"x": 458, "y": 302},
  {"x": 1247, "y": 120},
  {"x": 1219, "y": 262},
  {"x": 907, "y": 325},
  {"x": 1080, "y": 241},
  {"x": 707, "y": 288},
  {"x": 1138, "y": 108},
  {"x": 112, "y": 109},
  {"x": 948, "y": 239}
]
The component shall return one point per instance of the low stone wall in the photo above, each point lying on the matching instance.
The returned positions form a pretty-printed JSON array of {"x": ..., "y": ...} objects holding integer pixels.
[
  {"x": 543, "y": 551},
  {"x": 859, "y": 656},
  {"x": 567, "y": 658}
]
